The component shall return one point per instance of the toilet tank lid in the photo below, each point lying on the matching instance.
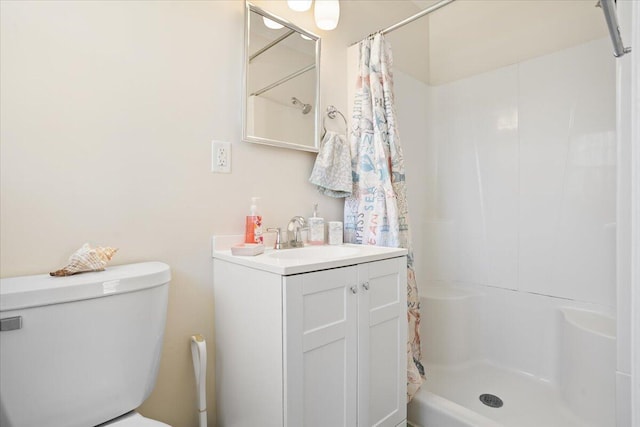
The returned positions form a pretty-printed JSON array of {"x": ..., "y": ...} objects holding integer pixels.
[{"x": 42, "y": 289}]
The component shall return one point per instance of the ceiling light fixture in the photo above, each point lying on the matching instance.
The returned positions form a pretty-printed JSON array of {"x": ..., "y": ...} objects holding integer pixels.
[
  {"x": 327, "y": 14},
  {"x": 299, "y": 5},
  {"x": 271, "y": 24}
]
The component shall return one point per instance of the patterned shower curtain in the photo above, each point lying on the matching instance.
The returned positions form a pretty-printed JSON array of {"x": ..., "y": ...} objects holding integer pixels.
[{"x": 377, "y": 212}]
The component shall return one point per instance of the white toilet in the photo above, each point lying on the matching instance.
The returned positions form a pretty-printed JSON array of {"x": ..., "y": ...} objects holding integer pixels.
[{"x": 82, "y": 350}]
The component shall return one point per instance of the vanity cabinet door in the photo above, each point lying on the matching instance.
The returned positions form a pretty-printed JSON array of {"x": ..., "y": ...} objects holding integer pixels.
[
  {"x": 320, "y": 334},
  {"x": 345, "y": 346},
  {"x": 382, "y": 343}
]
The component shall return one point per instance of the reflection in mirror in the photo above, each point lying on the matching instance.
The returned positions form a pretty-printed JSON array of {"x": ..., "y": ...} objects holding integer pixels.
[{"x": 281, "y": 82}]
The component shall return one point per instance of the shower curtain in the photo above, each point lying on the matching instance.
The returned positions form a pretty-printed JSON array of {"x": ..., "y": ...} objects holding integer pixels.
[{"x": 377, "y": 213}]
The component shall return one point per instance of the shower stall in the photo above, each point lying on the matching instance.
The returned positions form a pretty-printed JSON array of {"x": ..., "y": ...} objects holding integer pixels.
[{"x": 507, "y": 117}]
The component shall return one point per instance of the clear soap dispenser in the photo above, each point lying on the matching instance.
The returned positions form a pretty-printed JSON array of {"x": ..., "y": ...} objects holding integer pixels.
[{"x": 316, "y": 228}]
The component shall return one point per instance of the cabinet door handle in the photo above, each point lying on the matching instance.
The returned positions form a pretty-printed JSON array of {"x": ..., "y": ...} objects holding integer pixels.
[
  {"x": 354, "y": 289},
  {"x": 365, "y": 285}
]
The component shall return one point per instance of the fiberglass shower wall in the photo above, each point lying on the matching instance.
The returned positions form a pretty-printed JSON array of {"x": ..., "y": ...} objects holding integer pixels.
[{"x": 517, "y": 178}]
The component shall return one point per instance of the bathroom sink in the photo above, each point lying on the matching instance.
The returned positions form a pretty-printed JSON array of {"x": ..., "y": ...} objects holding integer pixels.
[
  {"x": 306, "y": 259},
  {"x": 315, "y": 253}
]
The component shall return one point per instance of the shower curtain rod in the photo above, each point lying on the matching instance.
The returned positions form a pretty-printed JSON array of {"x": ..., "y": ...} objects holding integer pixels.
[
  {"x": 609, "y": 10},
  {"x": 410, "y": 19},
  {"x": 270, "y": 45},
  {"x": 283, "y": 80}
]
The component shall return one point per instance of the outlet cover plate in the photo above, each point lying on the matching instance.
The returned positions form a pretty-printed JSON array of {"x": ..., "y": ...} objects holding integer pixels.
[{"x": 220, "y": 157}]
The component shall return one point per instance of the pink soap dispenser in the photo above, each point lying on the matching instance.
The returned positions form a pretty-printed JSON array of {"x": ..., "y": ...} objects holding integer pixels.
[{"x": 253, "y": 224}]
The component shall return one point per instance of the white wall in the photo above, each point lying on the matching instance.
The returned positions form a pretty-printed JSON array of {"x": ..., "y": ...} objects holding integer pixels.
[
  {"x": 521, "y": 170},
  {"x": 107, "y": 114}
]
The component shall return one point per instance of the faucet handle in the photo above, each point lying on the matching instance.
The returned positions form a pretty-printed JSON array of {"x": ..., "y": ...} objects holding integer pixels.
[
  {"x": 296, "y": 222},
  {"x": 294, "y": 231},
  {"x": 278, "y": 244}
]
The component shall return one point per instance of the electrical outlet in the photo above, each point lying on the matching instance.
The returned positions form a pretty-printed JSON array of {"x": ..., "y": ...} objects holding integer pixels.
[{"x": 221, "y": 157}]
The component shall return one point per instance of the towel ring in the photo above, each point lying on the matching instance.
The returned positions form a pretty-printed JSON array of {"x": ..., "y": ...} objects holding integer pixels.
[{"x": 331, "y": 113}]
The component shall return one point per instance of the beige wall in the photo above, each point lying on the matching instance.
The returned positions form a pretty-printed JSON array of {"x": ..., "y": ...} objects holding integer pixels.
[{"x": 107, "y": 113}]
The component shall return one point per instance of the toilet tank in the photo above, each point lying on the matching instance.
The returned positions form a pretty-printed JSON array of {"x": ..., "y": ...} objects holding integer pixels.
[{"x": 80, "y": 350}]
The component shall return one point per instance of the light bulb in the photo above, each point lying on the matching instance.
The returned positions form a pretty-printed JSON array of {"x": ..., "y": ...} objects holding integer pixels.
[
  {"x": 327, "y": 14},
  {"x": 271, "y": 24},
  {"x": 299, "y": 5}
]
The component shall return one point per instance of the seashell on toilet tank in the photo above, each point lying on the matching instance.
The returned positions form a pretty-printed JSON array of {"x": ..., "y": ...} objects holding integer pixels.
[{"x": 86, "y": 259}]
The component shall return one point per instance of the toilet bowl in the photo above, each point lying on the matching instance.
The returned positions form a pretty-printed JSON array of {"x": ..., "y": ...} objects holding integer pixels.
[{"x": 82, "y": 350}]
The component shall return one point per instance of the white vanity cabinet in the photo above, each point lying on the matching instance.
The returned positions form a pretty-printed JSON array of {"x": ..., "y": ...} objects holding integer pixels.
[{"x": 323, "y": 348}]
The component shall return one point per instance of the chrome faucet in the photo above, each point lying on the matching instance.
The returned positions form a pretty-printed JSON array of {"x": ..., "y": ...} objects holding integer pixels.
[
  {"x": 278, "y": 244},
  {"x": 294, "y": 231}
]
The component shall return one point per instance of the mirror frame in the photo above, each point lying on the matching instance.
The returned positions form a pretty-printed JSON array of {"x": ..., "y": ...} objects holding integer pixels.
[{"x": 249, "y": 7}]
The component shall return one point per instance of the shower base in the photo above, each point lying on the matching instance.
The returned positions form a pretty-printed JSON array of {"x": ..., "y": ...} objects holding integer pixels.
[{"x": 451, "y": 398}]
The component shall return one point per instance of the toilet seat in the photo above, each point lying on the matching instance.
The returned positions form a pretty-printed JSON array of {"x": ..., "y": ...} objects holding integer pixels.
[{"x": 134, "y": 419}]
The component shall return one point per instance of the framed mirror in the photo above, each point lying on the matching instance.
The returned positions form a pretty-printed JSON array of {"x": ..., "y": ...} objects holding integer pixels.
[{"x": 281, "y": 82}]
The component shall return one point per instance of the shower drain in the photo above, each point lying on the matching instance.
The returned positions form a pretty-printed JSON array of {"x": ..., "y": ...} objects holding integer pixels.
[{"x": 491, "y": 400}]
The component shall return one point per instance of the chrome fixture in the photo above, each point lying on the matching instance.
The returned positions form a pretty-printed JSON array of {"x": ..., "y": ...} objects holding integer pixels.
[
  {"x": 283, "y": 80},
  {"x": 412, "y": 18},
  {"x": 609, "y": 9},
  {"x": 296, "y": 225},
  {"x": 11, "y": 323},
  {"x": 305, "y": 107},
  {"x": 270, "y": 45},
  {"x": 278, "y": 244}
]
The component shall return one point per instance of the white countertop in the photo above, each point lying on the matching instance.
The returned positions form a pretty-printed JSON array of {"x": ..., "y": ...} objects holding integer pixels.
[{"x": 321, "y": 257}]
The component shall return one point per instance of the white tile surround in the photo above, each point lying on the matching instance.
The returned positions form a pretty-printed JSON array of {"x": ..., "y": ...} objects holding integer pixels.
[
  {"x": 522, "y": 177},
  {"x": 532, "y": 208}
]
